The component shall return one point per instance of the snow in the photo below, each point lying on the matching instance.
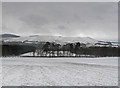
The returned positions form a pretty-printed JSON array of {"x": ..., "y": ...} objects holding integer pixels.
[
  {"x": 57, "y": 39},
  {"x": 36, "y": 71}
]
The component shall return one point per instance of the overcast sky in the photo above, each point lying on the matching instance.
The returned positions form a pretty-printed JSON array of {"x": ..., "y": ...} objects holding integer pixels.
[{"x": 85, "y": 19}]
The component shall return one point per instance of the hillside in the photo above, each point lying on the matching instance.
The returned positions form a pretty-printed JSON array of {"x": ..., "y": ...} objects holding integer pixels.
[
  {"x": 57, "y": 39},
  {"x": 8, "y": 36}
]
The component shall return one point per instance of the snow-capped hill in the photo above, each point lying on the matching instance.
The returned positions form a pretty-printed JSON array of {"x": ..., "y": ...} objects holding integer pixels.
[
  {"x": 57, "y": 39},
  {"x": 8, "y": 36}
]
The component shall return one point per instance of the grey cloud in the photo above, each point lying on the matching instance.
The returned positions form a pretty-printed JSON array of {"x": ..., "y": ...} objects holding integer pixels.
[
  {"x": 34, "y": 20},
  {"x": 62, "y": 27},
  {"x": 93, "y": 19}
]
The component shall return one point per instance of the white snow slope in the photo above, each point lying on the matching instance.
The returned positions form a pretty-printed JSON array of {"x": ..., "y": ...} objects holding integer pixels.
[
  {"x": 57, "y": 39},
  {"x": 31, "y": 71}
]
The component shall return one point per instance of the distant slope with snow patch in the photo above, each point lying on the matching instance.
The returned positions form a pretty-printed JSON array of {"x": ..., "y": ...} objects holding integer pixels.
[{"x": 57, "y": 39}]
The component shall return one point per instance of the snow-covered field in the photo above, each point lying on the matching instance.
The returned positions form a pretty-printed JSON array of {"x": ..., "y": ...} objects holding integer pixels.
[{"x": 29, "y": 71}]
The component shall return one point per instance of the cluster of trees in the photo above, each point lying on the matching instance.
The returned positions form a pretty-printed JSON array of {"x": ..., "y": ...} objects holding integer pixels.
[
  {"x": 76, "y": 49},
  {"x": 61, "y": 50},
  {"x": 53, "y": 49}
]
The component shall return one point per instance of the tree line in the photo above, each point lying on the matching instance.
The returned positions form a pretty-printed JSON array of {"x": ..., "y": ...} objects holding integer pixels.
[
  {"x": 16, "y": 50},
  {"x": 78, "y": 49},
  {"x": 51, "y": 49}
]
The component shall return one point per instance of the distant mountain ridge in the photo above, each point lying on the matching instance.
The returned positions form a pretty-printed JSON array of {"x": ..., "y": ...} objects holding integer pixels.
[
  {"x": 36, "y": 39},
  {"x": 57, "y": 39},
  {"x": 8, "y": 36}
]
